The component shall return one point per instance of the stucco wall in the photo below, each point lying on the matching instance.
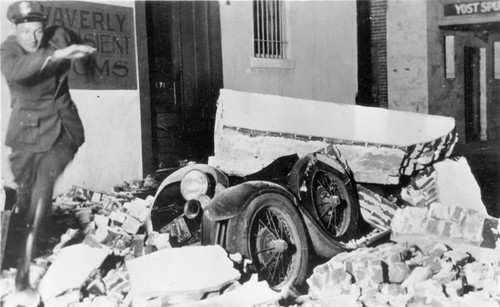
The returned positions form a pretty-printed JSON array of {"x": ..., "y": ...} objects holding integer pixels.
[
  {"x": 322, "y": 42},
  {"x": 407, "y": 55},
  {"x": 446, "y": 96},
  {"x": 112, "y": 151}
]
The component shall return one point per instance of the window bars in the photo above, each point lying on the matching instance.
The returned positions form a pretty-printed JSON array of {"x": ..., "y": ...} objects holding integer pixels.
[{"x": 269, "y": 29}]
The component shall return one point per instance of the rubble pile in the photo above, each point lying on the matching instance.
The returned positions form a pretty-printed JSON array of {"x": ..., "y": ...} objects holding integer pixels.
[
  {"x": 114, "y": 221},
  {"x": 449, "y": 209},
  {"x": 442, "y": 203},
  {"x": 448, "y": 182},
  {"x": 402, "y": 274},
  {"x": 115, "y": 259},
  {"x": 446, "y": 251},
  {"x": 448, "y": 222}
]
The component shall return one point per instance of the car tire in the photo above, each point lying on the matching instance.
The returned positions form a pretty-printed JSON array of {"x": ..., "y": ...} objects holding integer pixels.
[
  {"x": 338, "y": 210},
  {"x": 272, "y": 235}
]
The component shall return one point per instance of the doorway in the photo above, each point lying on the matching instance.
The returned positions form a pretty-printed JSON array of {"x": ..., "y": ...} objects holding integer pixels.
[
  {"x": 475, "y": 94},
  {"x": 185, "y": 61}
]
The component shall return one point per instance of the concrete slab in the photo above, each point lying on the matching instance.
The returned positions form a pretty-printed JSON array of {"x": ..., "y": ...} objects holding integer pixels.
[
  {"x": 187, "y": 271},
  {"x": 70, "y": 269},
  {"x": 252, "y": 130},
  {"x": 456, "y": 185},
  {"x": 249, "y": 294},
  {"x": 328, "y": 119}
]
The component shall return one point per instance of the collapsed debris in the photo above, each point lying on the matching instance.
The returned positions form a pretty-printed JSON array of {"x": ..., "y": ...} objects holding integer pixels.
[
  {"x": 402, "y": 274},
  {"x": 445, "y": 249},
  {"x": 114, "y": 259},
  {"x": 450, "y": 209},
  {"x": 116, "y": 228}
]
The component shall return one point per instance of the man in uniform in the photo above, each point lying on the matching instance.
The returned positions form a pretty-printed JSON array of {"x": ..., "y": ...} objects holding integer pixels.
[{"x": 44, "y": 130}]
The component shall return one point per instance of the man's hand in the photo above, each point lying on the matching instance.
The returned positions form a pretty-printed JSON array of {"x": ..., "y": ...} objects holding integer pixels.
[{"x": 73, "y": 52}]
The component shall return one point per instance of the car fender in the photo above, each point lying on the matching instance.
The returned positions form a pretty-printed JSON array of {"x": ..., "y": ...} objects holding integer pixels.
[
  {"x": 330, "y": 156},
  {"x": 176, "y": 176},
  {"x": 232, "y": 201}
]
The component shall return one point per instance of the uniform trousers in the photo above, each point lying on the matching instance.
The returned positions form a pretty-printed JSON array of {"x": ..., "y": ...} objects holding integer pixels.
[{"x": 36, "y": 174}]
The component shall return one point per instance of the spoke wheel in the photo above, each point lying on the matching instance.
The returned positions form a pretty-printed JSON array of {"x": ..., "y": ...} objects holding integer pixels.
[
  {"x": 332, "y": 202},
  {"x": 270, "y": 233},
  {"x": 273, "y": 243}
]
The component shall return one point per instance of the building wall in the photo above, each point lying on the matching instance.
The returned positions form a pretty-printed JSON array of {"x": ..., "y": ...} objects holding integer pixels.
[
  {"x": 415, "y": 34},
  {"x": 446, "y": 95},
  {"x": 407, "y": 55},
  {"x": 322, "y": 42},
  {"x": 112, "y": 151}
]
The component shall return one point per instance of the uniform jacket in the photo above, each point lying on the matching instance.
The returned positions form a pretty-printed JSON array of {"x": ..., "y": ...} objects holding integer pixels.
[{"x": 40, "y": 99}]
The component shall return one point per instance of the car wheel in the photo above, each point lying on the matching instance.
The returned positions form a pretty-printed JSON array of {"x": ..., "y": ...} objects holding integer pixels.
[
  {"x": 334, "y": 202},
  {"x": 271, "y": 234}
]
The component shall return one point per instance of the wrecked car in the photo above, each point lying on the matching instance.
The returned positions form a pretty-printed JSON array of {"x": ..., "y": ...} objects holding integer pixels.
[
  {"x": 270, "y": 216},
  {"x": 280, "y": 193}
]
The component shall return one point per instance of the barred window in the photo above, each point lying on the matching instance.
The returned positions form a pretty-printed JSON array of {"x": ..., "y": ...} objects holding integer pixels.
[{"x": 269, "y": 29}]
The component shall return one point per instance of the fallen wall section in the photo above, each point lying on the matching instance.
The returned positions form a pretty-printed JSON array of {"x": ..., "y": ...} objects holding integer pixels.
[{"x": 252, "y": 130}]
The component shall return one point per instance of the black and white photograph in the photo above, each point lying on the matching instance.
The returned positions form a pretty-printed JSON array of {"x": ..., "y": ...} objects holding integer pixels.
[{"x": 284, "y": 153}]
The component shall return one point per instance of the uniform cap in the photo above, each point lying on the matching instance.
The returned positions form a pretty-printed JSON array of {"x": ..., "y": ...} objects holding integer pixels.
[{"x": 26, "y": 11}]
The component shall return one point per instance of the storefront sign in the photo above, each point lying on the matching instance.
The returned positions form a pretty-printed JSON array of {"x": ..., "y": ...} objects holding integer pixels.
[
  {"x": 109, "y": 29},
  {"x": 472, "y": 8}
]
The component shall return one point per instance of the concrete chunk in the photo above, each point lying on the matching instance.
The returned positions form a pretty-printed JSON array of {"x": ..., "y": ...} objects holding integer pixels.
[
  {"x": 398, "y": 272},
  {"x": 409, "y": 220},
  {"x": 456, "y": 185},
  {"x": 70, "y": 268},
  {"x": 418, "y": 275},
  {"x": 188, "y": 271},
  {"x": 249, "y": 294},
  {"x": 448, "y": 222}
]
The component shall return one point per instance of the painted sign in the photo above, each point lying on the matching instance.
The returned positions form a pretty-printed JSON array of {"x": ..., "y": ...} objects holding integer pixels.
[
  {"x": 472, "y": 8},
  {"x": 109, "y": 29}
]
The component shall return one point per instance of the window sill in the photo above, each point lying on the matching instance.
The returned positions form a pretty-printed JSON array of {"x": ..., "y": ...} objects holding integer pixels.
[{"x": 272, "y": 63}]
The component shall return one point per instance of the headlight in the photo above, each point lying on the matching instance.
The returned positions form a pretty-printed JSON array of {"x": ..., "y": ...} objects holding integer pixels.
[{"x": 194, "y": 184}]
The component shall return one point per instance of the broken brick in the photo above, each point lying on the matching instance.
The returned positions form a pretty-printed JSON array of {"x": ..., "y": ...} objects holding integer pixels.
[
  {"x": 434, "y": 226},
  {"x": 359, "y": 271},
  {"x": 440, "y": 211},
  {"x": 475, "y": 272},
  {"x": 338, "y": 285},
  {"x": 490, "y": 234},
  {"x": 457, "y": 257},
  {"x": 376, "y": 271},
  {"x": 436, "y": 249},
  {"x": 454, "y": 288},
  {"x": 408, "y": 220},
  {"x": 471, "y": 226},
  {"x": 417, "y": 275},
  {"x": 398, "y": 272},
  {"x": 433, "y": 262},
  {"x": 457, "y": 214},
  {"x": 445, "y": 276}
]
